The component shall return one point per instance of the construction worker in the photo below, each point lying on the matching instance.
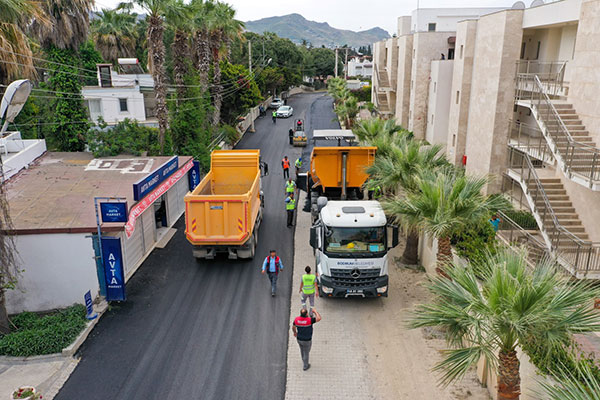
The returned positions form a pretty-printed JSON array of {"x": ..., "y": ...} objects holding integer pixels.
[
  {"x": 298, "y": 165},
  {"x": 308, "y": 289},
  {"x": 291, "y": 135},
  {"x": 290, "y": 186},
  {"x": 303, "y": 332},
  {"x": 271, "y": 266},
  {"x": 285, "y": 164},
  {"x": 290, "y": 205},
  {"x": 377, "y": 193},
  {"x": 274, "y": 117}
]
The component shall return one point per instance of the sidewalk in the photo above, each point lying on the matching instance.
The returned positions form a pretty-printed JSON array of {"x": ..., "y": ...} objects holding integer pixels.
[{"x": 339, "y": 368}]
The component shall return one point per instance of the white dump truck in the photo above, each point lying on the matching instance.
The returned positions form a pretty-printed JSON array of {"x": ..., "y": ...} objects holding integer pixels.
[{"x": 351, "y": 239}]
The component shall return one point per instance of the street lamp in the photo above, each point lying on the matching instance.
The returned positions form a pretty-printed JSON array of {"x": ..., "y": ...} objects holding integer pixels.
[{"x": 13, "y": 101}]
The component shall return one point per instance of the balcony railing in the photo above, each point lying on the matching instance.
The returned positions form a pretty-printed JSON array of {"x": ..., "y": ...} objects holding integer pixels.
[
  {"x": 575, "y": 158},
  {"x": 580, "y": 257},
  {"x": 550, "y": 73},
  {"x": 529, "y": 139}
]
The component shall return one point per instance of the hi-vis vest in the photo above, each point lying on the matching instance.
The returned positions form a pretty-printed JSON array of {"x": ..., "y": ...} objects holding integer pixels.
[
  {"x": 286, "y": 163},
  {"x": 290, "y": 186},
  {"x": 308, "y": 283},
  {"x": 290, "y": 204},
  {"x": 298, "y": 163}
]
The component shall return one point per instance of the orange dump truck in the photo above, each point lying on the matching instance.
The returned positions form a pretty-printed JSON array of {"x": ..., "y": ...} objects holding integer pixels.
[{"x": 224, "y": 212}]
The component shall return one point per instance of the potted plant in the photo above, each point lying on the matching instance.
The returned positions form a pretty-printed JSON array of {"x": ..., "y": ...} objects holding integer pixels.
[{"x": 26, "y": 393}]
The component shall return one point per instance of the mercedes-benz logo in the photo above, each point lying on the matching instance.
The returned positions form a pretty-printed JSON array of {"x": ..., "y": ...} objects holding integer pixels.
[{"x": 355, "y": 273}]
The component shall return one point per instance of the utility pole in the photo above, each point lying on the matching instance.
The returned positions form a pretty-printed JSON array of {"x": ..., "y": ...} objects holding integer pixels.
[
  {"x": 346, "y": 70},
  {"x": 250, "y": 57},
  {"x": 336, "y": 62}
]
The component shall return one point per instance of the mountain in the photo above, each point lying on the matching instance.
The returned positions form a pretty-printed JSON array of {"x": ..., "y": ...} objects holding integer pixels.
[{"x": 296, "y": 28}]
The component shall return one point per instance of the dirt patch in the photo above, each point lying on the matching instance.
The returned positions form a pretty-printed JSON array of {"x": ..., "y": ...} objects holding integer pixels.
[{"x": 401, "y": 359}]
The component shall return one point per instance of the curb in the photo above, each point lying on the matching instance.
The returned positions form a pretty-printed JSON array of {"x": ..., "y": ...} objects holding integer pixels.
[{"x": 68, "y": 351}]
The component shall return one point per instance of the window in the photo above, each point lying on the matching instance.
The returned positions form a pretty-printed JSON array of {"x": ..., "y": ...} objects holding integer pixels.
[
  {"x": 95, "y": 108},
  {"x": 414, "y": 53},
  {"x": 431, "y": 27},
  {"x": 457, "y": 96},
  {"x": 105, "y": 78},
  {"x": 450, "y": 54},
  {"x": 453, "y": 140},
  {"x": 354, "y": 240},
  {"x": 523, "y": 45},
  {"x": 537, "y": 52},
  {"x": 462, "y": 47},
  {"x": 434, "y": 86},
  {"x": 123, "y": 105},
  {"x": 431, "y": 119}
]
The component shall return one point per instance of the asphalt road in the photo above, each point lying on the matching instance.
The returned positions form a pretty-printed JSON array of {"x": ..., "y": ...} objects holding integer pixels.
[{"x": 204, "y": 330}]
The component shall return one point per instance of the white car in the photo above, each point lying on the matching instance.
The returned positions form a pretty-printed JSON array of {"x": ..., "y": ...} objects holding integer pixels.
[
  {"x": 276, "y": 103},
  {"x": 285, "y": 112}
]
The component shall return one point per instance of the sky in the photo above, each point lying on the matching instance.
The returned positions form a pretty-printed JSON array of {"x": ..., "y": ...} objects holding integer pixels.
[{"x": 354, "y": 15}]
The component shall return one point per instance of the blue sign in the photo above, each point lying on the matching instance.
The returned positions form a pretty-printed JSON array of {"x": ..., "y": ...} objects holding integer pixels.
[
  {"x": 113, "y": 268},
  {"x": 142, "y": 187},
  {"x": 113, "y": 212},
  {"x": 88, "y": 305},
  {"x": 194, "y": 175}
]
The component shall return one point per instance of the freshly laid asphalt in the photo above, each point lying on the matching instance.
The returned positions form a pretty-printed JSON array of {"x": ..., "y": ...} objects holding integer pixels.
[{"x": 210, "y": 329}]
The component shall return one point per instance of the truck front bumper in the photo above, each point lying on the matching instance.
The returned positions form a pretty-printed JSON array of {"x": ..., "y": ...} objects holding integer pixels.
[{"x": 378, "y": 287}]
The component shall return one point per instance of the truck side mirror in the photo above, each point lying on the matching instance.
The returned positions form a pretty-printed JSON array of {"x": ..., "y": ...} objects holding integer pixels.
[
  {"x": 313, "y": 237},
  {"x": 393, "y": 236}
]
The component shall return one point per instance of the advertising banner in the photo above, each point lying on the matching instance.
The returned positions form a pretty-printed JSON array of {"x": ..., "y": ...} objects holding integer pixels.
[
  {"x": 194, "y": 175},
  {"x": 147, "y": 201},
  {"x": 113, "y": 212},
  {"x": 113, "y": 268},
  {"x": 145, "y": 185}
]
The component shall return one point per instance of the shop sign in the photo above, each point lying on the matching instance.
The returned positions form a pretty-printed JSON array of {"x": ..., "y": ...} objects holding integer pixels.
[
  {"x": 113, "y": 212},
  {"x": 145, "y": 185},
  {"x": 113, "y": 268}
]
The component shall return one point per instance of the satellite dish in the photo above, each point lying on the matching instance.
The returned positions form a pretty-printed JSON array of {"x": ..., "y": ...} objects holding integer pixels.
[
  {"x": 536, "y": 3},
  {"x": 519, "y": 5},
  {"x": 14, "y": 99}
]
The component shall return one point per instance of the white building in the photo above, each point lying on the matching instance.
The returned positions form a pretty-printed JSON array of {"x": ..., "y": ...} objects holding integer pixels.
[
  {"x": 127, "y": 94},
  {"x": 360, "y": 66}
]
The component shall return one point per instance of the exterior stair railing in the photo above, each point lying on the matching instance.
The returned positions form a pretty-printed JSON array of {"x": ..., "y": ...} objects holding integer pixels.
[
  {"x": 516, "y": 236},
  {"x": 529, "y": 139},
  {"x": 556, "y": 132},
  {"x": 580, "y": 257}
]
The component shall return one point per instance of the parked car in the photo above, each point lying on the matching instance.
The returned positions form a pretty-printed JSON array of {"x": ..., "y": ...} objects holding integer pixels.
[
  {"x": 276, "y": 103},
  {"x": 285, "y": 112}
]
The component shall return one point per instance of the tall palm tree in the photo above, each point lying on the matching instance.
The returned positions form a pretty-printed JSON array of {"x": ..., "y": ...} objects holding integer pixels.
[
  {"x": 396, "y": 174},
  {"x": 490, "y": 317},
  {"x": 179, "y": 16},
  {"x": 223, "y": 28},
  {"x": 15, "y": 49},
  {"x": 156, "y": 10},
  {"x": 443, "y": 202},
  {"x": 347, "y": 109},
  {"x": 68, "y": 26},
  {"x": 336, "y": 87},
  {"x": 115, "y": 34},
  {"x": 203, "y": 14},
  {"x": 368, "y": 130}
]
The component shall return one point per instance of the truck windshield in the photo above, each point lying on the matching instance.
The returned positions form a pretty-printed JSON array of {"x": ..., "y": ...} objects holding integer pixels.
[{"x": 354, "y": 240}]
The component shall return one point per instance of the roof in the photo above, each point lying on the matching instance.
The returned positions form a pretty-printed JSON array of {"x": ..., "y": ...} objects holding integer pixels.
[
  {"x": 56, "y": 193},
  {"x": 373, "y": 214}
]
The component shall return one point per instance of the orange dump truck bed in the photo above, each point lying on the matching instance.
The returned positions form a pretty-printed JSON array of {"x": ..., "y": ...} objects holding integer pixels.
[
  {"x": 326, "y": 166},
  {"x": 223, "y": 212}
]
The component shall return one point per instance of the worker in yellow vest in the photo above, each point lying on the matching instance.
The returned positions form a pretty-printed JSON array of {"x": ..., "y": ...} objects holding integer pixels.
[
  {"x": 308, "y": 289},
  {"x": 290, "y": 205},
  {"x": 290, "y": 186}
]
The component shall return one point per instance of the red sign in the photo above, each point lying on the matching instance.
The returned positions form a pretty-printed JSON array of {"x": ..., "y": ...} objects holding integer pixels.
[{"x": 147, "y": 201}]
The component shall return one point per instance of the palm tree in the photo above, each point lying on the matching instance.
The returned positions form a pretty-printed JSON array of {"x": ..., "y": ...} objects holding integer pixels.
[
  {"x": 179, "y": 16},
  {"x": 581, "y": 384},
  {"x": 68, "y": 26},
  {"x": 223, "y": 28},
  {"x": 490, "y": 317},
  {"x": 347, "y": 109},
  {"x": 156, "y": 10},
  {"x": 15, "y": 48},
  {"x": 336, "y": 87},
  {"x": 396, "y": 173},
  {"x": 369, "y": 129},
  {"x": 114, "y": 33},
  {"x": 203, "y": 13},
  {"x": 443, "y": 202}
]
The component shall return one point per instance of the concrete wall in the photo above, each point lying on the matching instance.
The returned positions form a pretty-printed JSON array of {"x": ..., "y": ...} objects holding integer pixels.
[
  {"x": 439, "y": 102},
  {"x": 391, "y": 47},
  {"x": 427, "y": 46},
  {"x": 403, "y": 25},
  {"x": 460, "y": 93},
  {"x": 446, "y": 18},
  {"x": 585, "y": 76},
  {"x": 57, "y": 271},
  {"x": 558, "y": 12},
  {"x": 492, "y": 93},
  {"x": 109, "y": 100},
  {"x": 405, "y": 47}
]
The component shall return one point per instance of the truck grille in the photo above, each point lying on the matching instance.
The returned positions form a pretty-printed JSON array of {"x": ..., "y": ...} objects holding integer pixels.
[{"x": 344, "y": 278}]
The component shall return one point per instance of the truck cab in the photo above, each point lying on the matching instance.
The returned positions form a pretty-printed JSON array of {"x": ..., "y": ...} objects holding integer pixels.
[{"x": 351, "y": 241}]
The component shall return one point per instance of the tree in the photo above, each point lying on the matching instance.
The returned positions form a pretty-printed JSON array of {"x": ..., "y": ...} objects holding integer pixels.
[
  {"x": 444, "y": 202},
  {"x": 156, "y": 10},
  {"x": 202, "y": 14},
  {"x": 179, "y": 17},
  {"x": 368, "y": 130},
  {"x": 115, "y": 34},
  {"x": 347, "y": 109},
  {"x": 68, "y": 26},
  {"x": 396, "y": 173},
  {"x": 492, "y": 306},
  {"x": 247, "y": 94},
  {"x": 15, "y": 49},
  {"x": 581, "y": 384}
]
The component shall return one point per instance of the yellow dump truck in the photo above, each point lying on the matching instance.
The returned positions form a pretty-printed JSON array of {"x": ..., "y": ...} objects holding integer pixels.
[{"x": 224, "y": 212}]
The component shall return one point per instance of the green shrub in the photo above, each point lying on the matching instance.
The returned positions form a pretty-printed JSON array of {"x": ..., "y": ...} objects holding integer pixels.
[
  {"x": 475, "y": 241},
  {"x": 231, "y": 134},
  {"x": 47, "y": 334},
  {"x": 362, "y": 94},
  {"x": 126, "y": 137},
  {"x": 525, "y": 219}
]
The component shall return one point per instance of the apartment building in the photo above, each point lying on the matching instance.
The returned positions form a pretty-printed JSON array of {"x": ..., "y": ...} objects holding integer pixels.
[
  {"x": 360, "y": 66},
  {"x": 516, "y": 98}
]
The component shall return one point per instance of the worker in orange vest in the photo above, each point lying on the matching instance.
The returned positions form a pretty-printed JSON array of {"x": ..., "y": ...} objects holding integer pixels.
[{"x": 285, "y": 164}]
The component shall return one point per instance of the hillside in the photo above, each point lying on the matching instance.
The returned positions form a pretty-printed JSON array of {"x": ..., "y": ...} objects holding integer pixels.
[{"x": 296, "y": 28}]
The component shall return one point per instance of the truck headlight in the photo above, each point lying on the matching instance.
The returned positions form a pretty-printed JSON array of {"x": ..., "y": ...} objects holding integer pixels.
[
  {"x": 382, "y": 289},
  {"x": 326, "y": 290}
]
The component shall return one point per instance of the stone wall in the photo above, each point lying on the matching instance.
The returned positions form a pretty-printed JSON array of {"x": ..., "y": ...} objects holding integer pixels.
[
  {"x": 405, "y": 46},
  {"x": 492, "y": 94}
]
